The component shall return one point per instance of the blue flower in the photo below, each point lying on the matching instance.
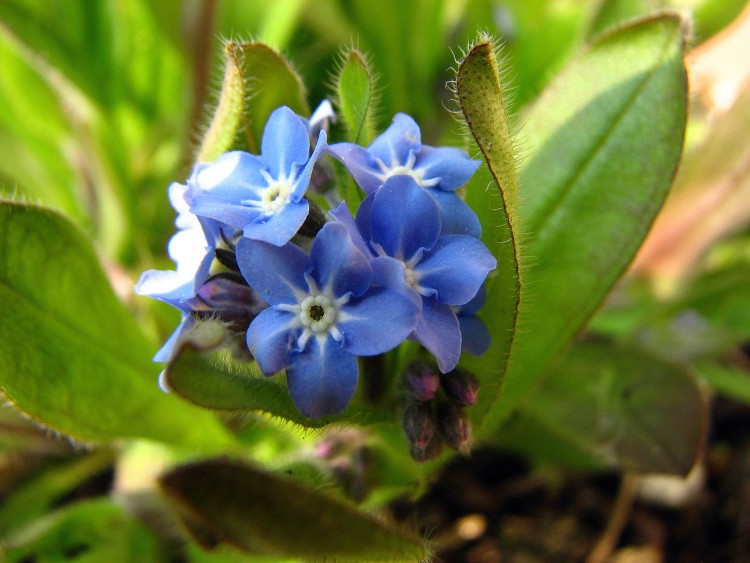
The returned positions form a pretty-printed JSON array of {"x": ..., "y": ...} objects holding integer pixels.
[
  {"x": 263, "y": 196},
  {"x": 439, "y": 170},
  {"x": 193, "y": 249},
  {"x": 402, "y": 221},
  {"x": 325, "y": 309},
  {"x": 475, "y": 338}
]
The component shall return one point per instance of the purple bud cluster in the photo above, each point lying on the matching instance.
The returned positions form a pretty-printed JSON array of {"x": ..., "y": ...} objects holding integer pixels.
[{"x": 435, "y": 412}]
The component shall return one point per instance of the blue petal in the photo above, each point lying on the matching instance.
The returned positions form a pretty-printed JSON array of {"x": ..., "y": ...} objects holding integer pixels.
[
  {"x": 473, "y": 306},
  {"x": 270, "y": 339},
  {"x": 475, "y": 338},
  {"x": 167, "y": 286},
  {"x": 364, "y": 217},
  {"x": 337, "y": 264},
  {"x": 359, "y": 163},
  {"x": 322, "y": 379},
  {"x": 165, "y": 352},
  {"x": 405, "y": 218},
  {"x": 231, "y": 178},
  {"x": 278, "y": 228},
  {"x": 389, "y": 272},
  {"x": 456, "y": 267},
  {"x": 456, "y": 217},
  {"x": 379, "y": 320},
  {"x": 285, "y": 142},
  {"x": 343, "y": 216},
  {"x": 453, "y": 166},
  {"x": 395, "y": 143},
  {"x": 438, "y": 331},
  {"x": 230, "y": 213},
  {"x": 277, "y": 273},
  {"x": 321, "y": 118},
  {"x": 302, "y": 178}
]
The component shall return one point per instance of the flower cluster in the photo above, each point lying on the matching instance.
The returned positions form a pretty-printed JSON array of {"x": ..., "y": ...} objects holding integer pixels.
[{"x": 310, "y": 293}]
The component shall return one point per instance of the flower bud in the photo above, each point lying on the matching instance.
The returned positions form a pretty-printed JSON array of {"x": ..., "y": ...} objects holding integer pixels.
[
  {"x": 228, "y": 298},
  {"x": 422, "y": 380},
  {"x": 461, "y": 387},
  {"x": 421, "y": 431},
  {"x": 431, "y": 450},
  {"x": 454, "y": 426}
]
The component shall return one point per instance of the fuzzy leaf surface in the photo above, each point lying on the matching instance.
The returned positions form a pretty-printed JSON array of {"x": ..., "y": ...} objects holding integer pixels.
[
  {"x": 604, "y": 141},
  {"x": 71, "y": 356},
  {"x": 481, "y": 95},
  {"x": 214, "y": 384},
  {"x": 261, "y": 513},
  {"x": 617, "y": 405}
]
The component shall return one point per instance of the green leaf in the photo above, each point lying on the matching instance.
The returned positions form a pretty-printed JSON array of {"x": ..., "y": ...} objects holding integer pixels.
[
  {"x": 217, "y": 384},
  {"x": 727, "y": 380},
  {"x": 265, "y": 514},
  {"x": 71, "y": 356},
  {"x": 607, "y": 14},
  {"x": 94, "y": 530},
  {"x": 227, "y": 117},
  {"x": 257, "y": 80},
  {"x": 620, "y": 406},
  {"x": 604, "y": 141},
  {"x": 355, "y": 93},
  {"x": 481, "y": 96},
  {"x": 710, "y": 197},
  {"x": 37, "y": 496}
]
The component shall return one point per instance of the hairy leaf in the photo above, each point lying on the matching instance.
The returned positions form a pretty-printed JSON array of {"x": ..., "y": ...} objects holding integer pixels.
[
  {"x": 620, "y": 406},
  {"x": 481, "y": 96},
  {"x": 218, "y": 385},
  {"x": 262, "y": 513},
  {"x": 355, "y": 91},
  {"x": 71, "y": 356},
  {"x": 257, "y": 80},
  {"x": 604, "y": 141}
]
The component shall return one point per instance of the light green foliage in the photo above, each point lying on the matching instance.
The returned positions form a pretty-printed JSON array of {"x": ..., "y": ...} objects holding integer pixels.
[
  {"x": 99, "y": 116},
  {"x": 94, "y": 113},
  {"x": 89, "y": 531},
  {"x": 355, "y": 96},
  {"x": 257, "y": 80},
  {"x": 39, "y": 495},
  {"x": 217, "y": 384},
  {"x": 482, "y": 98},
  {"x": 265, "y": 514},
  {"x": 710, "y": 15},
  {"x": 604, "y": 141},
  {"x": 73, "y": 357},
  {"x": 619, "y": 406}
]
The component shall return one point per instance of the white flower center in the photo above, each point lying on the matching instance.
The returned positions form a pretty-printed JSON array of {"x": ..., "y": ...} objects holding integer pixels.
[
  {"x": 317, "y": 313},
  {"x": 411, "y": 277},
  {"x": 275, "y": 196},
  {"x": 406, "y": 168}
]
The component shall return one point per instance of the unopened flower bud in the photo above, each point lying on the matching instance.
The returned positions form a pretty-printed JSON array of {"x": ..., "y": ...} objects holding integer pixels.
[
  {"x": 227, "y": 297},
  {"x": 461, "y": 387},
  {"x": 422, "y": 380},
  {"x": 431, "y": 450},
  {"x": 204, "y": 335},
  {"x": 421, "y": 431},
  {"x": 454, "y": 426}
]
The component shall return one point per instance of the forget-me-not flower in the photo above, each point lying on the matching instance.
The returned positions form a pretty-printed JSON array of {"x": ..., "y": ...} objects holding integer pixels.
[
  {"x": 399, "y": 151},
  {"x": 403, "y": 222},
  {"x": 192, "y": 248},
  {"x": 325, "y": 310},
  {"x": 263, "y": 196},
  {"x": 475, "y": 338}
]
